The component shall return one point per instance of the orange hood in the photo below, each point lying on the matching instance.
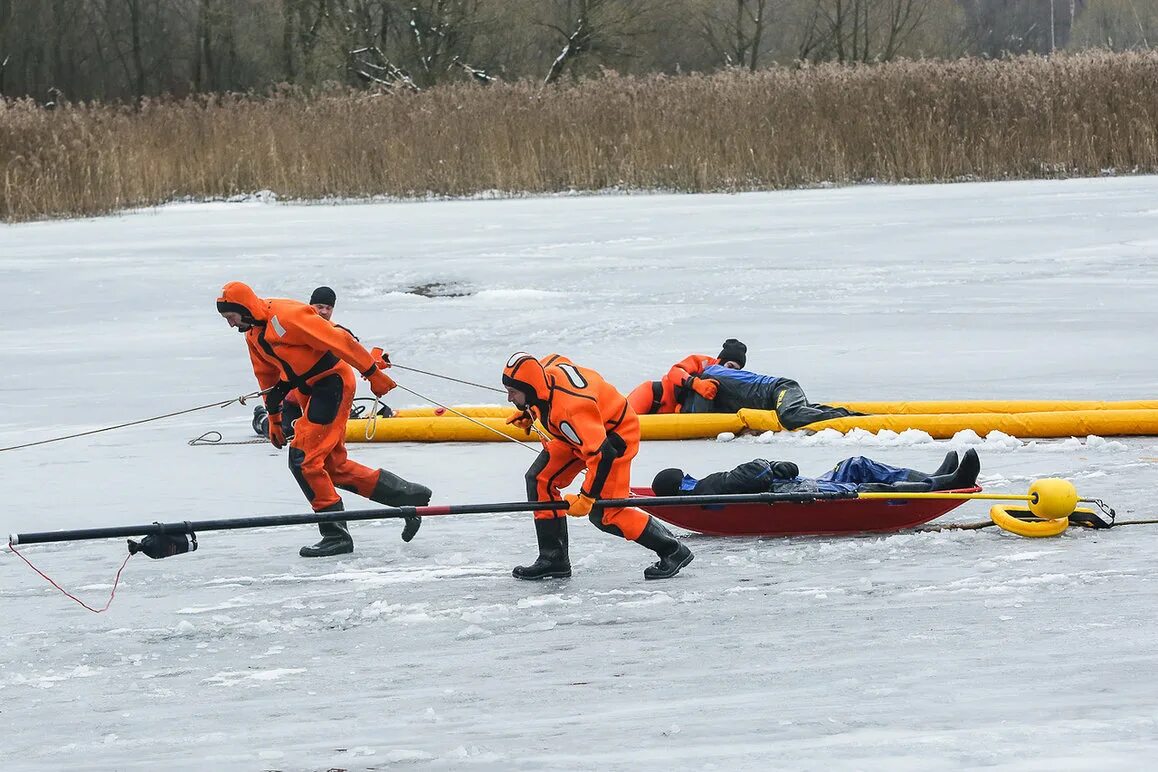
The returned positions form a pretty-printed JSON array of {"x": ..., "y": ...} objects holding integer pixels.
[
  {"x": 239, "y": 298},
  {"x": 523, "y": 372}
]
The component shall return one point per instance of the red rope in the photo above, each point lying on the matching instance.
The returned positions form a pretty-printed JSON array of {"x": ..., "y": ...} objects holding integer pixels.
[{"x": 112, "y": 594}]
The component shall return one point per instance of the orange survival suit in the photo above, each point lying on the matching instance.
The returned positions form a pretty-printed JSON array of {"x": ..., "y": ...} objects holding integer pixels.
[
  {"x": 592, "y": 428},
  {"x": 666, "y": 394},
  {"x": 293, "y": 348}
]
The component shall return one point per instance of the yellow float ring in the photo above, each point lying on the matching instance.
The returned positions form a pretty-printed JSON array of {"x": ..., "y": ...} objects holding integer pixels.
[{"x": 1021, "y": 521}]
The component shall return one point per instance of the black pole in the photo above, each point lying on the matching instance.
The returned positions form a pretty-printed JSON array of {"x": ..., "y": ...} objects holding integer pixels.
[{"x": 195, "y": 526}]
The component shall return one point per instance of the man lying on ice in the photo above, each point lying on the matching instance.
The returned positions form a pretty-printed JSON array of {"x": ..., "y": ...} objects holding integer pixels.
[
  {"x": 720, "y": 384},
  {"x": 856, "y": 474},
  {"x": 738, "y": 389}
]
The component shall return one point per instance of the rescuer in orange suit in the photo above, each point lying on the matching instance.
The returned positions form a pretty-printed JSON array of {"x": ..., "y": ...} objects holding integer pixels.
[
  {"x": 292, "y": 347},
  {"x": 323, "y": 300},
  {"x": 592, "y": 428},
  {"x": 666, "y": 395}
]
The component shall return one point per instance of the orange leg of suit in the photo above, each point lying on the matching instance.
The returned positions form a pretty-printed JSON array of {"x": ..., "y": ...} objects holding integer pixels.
[
  {"x": 653, "y": 397},
  {"x": 642, "y": 398},
  {"x": 555, "y": 468},
  {"x": 318, "y": 457},
  {"x": 558, "y": 466},
  {"x": 629, "y": 521}
]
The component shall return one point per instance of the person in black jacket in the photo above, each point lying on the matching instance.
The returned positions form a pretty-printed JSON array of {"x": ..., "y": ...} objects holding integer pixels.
[
  {"x": 739, "y": 389},
  {"x": 856, "y": 474}
]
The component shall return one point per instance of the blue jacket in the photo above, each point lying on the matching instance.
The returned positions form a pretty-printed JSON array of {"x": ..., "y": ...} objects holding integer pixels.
[{"x": 739, "y": 389}]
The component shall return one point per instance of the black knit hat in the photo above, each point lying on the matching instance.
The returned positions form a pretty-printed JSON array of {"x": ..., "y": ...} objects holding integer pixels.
[
  {"x": 324, "y": 296},
  {"x": 734, "y": 351},
  {"x": 667, "y": 482}
]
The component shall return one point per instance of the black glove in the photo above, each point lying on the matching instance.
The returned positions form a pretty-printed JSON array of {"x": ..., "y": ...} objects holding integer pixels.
[
  {"x": 276, "y": 395},
  {"x": 784, "y": 470}
]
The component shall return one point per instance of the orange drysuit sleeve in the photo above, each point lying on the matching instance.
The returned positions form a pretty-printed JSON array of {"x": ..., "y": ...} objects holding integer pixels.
[
  {"x": 330, "y": 337},
  {"x": 693, "y": 364}
]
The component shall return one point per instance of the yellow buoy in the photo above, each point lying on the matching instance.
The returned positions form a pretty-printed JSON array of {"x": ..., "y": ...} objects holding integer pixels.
[
  {"x": 1021, "y": 521},
  {"x": 1052, "y": 498}
]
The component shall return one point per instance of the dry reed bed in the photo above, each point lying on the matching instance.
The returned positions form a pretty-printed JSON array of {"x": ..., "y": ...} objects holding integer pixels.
[{"x": 914, "y": 121}]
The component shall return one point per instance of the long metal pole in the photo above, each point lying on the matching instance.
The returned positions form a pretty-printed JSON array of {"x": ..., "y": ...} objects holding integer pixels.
[{"x": 195, "y": 526}]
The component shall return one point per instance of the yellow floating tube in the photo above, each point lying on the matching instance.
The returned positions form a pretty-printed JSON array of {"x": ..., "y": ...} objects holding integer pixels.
[
  {"x": 430, "y": 429},
  {"x": 929, "y": 407},
  {"x": 994, "y": 406},
  {"x": 442, "y": 425},
  {"x": 474, "y": 411},
  {"x": 452, "y": 428},
  {"x": 1078, "y": 423},
  {"x": 1021, "y": 521},
  {"x": 684, "y": 426}
]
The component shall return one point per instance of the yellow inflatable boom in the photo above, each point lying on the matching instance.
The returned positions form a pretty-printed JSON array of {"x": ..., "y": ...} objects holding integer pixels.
[
  {"x": 1107, "y": 419},
  {"x": 1077, "y": 423},
  {"x": 889, "y": 408},
  {"x": 456, "y": 429}
]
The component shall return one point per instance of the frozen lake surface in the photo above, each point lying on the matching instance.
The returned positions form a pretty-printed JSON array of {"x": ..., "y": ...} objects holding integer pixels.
[{"x": 914, "y": 651}]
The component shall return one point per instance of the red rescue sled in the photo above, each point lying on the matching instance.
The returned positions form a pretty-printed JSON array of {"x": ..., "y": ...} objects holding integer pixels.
[{"x": 823, "y": 517}]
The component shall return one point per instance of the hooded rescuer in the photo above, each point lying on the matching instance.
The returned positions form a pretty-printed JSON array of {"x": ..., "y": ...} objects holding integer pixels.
[
  {"x": 292, "y": 347},
  {"x": 592, "y": 429}
]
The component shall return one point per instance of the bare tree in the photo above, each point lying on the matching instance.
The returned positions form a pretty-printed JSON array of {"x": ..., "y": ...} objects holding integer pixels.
[
  {"x": 735, "y": 29},
  {"x": 862, "y": 30},
  {"x": 999, "y": 27},
  {"x": 579, "y": 41},
  {"x": 902, "y": 18},
  {"x": 602, "y": 32},
  {"x": 304, "y": 24},
  {"x": 414, "y": 44},
  {"x": 5, "y": 51}
]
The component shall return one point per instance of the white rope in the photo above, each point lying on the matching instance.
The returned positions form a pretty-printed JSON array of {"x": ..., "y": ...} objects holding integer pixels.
[{"x": 542, "y": 437}]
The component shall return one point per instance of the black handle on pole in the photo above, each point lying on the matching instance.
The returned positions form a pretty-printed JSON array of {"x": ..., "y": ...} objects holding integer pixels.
[{"x": 194, "y": 526}]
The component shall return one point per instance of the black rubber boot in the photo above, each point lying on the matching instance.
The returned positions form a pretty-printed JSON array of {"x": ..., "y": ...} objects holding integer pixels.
[
  {"x": 392, "y": 491},
  {"x": 260, "y": 421},
  {"x": 947, "y": 466},
  {"x": 553, "y": 562},
  {"x": 336, "y": 539},
  {"x": 964, "y": 476},
  {"x": 673, "y": 554}
]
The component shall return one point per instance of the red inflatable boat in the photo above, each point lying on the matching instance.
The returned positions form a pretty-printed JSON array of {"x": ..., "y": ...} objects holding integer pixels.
[{"x": 823, "y": 517}]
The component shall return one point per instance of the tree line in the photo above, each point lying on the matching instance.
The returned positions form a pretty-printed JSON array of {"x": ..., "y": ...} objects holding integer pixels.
[{"x": 127, "y": 50}]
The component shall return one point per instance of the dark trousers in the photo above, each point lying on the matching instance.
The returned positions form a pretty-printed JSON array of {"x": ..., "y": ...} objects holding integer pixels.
[{"x": 794, "y": 410}]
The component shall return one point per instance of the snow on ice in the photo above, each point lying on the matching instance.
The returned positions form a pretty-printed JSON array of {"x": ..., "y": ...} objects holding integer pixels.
[{"x": 908, "y": 652}]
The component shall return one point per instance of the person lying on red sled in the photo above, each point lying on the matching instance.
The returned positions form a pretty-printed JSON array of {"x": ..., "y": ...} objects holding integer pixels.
[{"x": 856, "y": 474}]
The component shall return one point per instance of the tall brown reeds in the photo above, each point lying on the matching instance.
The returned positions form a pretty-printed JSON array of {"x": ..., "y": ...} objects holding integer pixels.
[{"x": 903, "y": 121}]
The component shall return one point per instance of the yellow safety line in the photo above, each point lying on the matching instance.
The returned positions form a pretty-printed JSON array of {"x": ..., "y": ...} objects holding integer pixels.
[{"x": 954, "y": 496}]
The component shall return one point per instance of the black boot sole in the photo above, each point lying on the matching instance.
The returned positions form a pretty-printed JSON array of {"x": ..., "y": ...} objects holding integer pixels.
[
  {"x": 672, "y": 572},
  {"x": 326, "y": 552},
  {"x": 548, "y": 575}
]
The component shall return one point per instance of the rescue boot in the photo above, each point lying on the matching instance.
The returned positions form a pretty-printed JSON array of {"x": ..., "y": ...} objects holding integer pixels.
[
  {"x": 947, "y": 466},
  {"x": 336, "y": 539},
  {"x": 553, "y": 562},
  {"x": 964, "y": 476},
  {"x": 392, "y": 491},
  {"x": 673, "y": 554},
  {"x": 950, "y": 463},
  {"x": 260, "y": 422}
]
